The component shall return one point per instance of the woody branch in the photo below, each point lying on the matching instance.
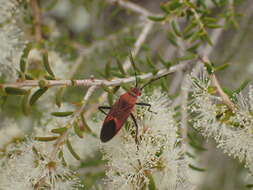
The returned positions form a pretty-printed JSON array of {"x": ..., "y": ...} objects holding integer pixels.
[{"x": 93, "y": 82}]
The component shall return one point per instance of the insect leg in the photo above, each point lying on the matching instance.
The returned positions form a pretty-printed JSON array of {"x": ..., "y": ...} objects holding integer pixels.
[
  {"x": 102, "y": 108},
  {"x": 136, "y": 126},
  {"x": 146, "y": 104}
]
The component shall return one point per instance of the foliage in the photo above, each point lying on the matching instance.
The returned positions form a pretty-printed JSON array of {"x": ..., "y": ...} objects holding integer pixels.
[{"x": 60, "y": 60}]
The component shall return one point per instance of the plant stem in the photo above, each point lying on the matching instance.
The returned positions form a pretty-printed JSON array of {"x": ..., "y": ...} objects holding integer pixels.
[
  {"x": 61, "y": 140},
  {"x": 36, "y": 19}
]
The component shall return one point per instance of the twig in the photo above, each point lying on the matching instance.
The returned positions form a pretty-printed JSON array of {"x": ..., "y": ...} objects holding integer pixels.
[
  {"x": 132, "y": 6},
  {"x": 84, "y": 51},
  {"x": 222, "y": 94},
  {"x": 60, "y": 141},
  {"x": 93, "y": 82},
  {"x": 216, "y": 83},
  {"x": 127, "y": 64},
  {"x": 141, "y": 39},
  {"x": 36, "y": 19}
]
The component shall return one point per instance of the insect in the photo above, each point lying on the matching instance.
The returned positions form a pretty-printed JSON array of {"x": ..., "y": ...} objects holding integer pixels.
[{"x": 122, "y": 109}]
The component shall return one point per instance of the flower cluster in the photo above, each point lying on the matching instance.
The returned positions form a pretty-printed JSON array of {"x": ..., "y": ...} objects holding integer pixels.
[
  {"x": 232, "y": 129},
  {"x": 28, "y": 166},
  {"x": 12, "y": 38},
  {"x": 157, "y": 160}
]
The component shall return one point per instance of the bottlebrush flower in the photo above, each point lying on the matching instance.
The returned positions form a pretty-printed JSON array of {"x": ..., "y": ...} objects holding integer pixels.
[
  {"x": 12, "y": 38},
  {"x": 158, "y": 159},
  {"x": 28, "y": 166},
  {"x": 232, "y": 129}
]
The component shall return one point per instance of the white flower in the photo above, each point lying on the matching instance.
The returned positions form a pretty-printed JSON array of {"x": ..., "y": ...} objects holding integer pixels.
[
  {"x": 158, "y": 159},
  {"x": 12, "y": 38},
  {"x": 232, "y": 130},
  {"x": 29, "y": 166},
  {"x": 9, "y": 133}
]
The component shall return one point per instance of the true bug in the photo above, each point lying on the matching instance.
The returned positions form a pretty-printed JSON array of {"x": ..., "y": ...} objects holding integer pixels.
[{"x": 122, "y": 109}]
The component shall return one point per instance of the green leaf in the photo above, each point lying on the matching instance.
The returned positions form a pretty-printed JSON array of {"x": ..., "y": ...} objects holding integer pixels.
[
  {"x": 35, "y": 151},
  {"x": 151, "y": 185},
  {"x": 22, "y": 65},
  {"x": 167, "y": 64},
  {"x": 46, "y": 139},
  {"x": 175, "y": 28},
  {"x": 51, "y": 5},
  {"x": 15, "y": 91},
  {"x": 207, "y": 39},
  {"x": 108, "y": 70},
  {"x": 85, "y": 126},
  {"x": 61, "y": 156},
  {"x": 77, "y": 130},
  {"x": 27, "y": 50},
  {"x": 195, "y": 36},
  {"x": 189, "y": 35},
  {"x": 228, "y": 92},
  {"x": 196, "y": 146},
  {"x": 172, "y": 38},
  {"x": 209, "y": 68},
  {"x": 37, "y": 95},
  {"x": 151, "y": 65},
  {"x": 211, "y": 89},
  {"x": 136, "y": 69},
  {"x": 121, "y": 69},
  {"x": 190, "y": 155},
  {"x": 59, "y": 130},
  {"x": 72, "y": 151},
  {"x": 47, "y": 65},
  {"x": 49, "y": 77},
  {"x": 164, "y": 8},
  {"x": 215, "y": 3},
  {"x": 197, "y": 168},
  {"x": 221, "y": 67},
  {"x": 106, "y": 89},
  {"x": 174, "y": 4},
  {"x": 115, "y": 89},
  {"x": 157, "y": 18},
  {"x": 25, "y": 104},
  {"x": 207, "y": 19},
  {"x": 110, "y": 98},
  {"x": 125, "y": 86},
  {"x": 189, "y": 27},
  {"x": 193, "y": 49},
  {"x": 23, "y": 60},
  {"x": 28, "y": 77},
  {"x": 187, "y": 57},
  {"x": 242, "y": 86},
  {"x": 58, "y": 96},
  {"x": 213, "y": 26},
  {"x": 249, "y": 186},
  {"x": 62, "y": 114},
  {"x": 164, "y": 84}
]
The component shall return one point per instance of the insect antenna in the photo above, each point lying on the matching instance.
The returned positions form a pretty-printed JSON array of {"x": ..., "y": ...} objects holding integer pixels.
[
  {"x": 134, "y": 66},
  {"x": 154, "y": 79}
]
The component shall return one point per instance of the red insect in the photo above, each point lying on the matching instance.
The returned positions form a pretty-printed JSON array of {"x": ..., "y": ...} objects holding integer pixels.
[{"x": 121, "y": 110}]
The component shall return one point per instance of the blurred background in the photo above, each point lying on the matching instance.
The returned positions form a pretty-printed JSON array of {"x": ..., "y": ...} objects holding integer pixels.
[{"x": 87, "y": 34}]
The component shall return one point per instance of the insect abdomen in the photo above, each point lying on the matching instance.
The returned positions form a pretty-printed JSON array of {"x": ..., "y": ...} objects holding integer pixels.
[{"x": 108, "y": 130}]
